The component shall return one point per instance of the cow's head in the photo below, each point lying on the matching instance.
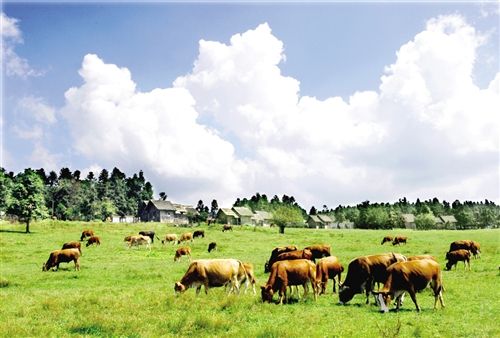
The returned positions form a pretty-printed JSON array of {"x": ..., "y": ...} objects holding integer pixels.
[
  {"x": 267, "y": 293},
  {"x": 346, "y": 293},
  {"x": 179, "y": 288},
  {"x": 382, "y": 299},
  {"x": 44, "y": 267},
  {"x": 449, "y": 264},
  {"x": 266, "y": 267}
]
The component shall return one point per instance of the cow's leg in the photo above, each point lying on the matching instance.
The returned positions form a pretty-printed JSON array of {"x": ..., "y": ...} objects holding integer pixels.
[
  {"x": 77, "y": 264},
  {"x": 398, "y": 297},
  {"x": 414, "y": 298},
  {"x": 369, "y": 287},
  {"x": 205, "y": 283},
  {"x": 198, "y": 289},
  {"x": 315, "y": 289}
]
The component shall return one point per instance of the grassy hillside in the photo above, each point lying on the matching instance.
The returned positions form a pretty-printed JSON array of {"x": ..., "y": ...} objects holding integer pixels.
[{"x": 122, "y": 292}]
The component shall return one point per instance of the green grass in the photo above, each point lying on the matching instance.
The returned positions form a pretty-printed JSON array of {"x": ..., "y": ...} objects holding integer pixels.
[{"x": 129, "y": 293}]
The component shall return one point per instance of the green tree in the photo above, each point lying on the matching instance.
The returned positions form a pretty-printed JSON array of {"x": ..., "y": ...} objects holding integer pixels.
[
  {"x": 6, "y": 183},
  {"x": 425, "y": 221},
  {"x": 28, "y": 201},
  {"x": 286, "y": 215}
]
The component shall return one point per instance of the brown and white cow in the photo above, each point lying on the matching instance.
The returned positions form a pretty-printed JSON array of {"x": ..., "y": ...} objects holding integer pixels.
[
  {"x": 57, "y": 257},
  {"x": 93, "y": 240},
  {"x": 72, "y": 245},
  {"x": 328, "y": 268},
  {"x": 453, "y": 257},
  {"x": 246, "y": 276},
  {"x": 411, "y": 277},
  {"x": 363, "y": 272},
  {"x": 227, "y": 227},
  {"x": 184, "y": 251},
  {"x": 467, "y": 244},
  {"x": 399, "y": 240},
  {"x": 86, "y": 233},
  {"x": 387, "y": 239},
  {"x": 274, "y": 254},
  {"x": 289, "y": 273},
  {"x": 319, "y": 251},
  {"x": 419, "y": 257},
  {"x": 187, "y": 236},
  {"x": 149, "y": 233},
  {"x": 170, "y": 238},
  {"x": 139, "y": 240},
  {"x": 211, "y": 273}
]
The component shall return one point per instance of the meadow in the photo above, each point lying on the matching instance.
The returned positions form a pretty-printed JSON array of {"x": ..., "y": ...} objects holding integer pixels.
[{"x": 122, "y": 292}]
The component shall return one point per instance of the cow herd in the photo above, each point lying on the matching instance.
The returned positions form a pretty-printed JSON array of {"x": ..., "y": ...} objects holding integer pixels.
[{"x": 290, "y": 266}]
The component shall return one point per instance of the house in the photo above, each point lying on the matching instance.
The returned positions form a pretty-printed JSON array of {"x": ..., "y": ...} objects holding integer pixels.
[
  {"x": 227, "y": 216},
  {"x": 262, "y": 218},
  {"x": 449, "y": 221},
  {"x": 124, "y": 219},
  {"x": 313, "y": 221},
  {"x": 244, "y": 215},
  {"x": 158, "y": 211},
  {"x": 327, "y": 221},
  {"x": 409, "y": 221}
]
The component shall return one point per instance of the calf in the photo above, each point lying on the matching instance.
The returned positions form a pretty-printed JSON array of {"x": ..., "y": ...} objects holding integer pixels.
[
  {"x": 212, "y": 246},
  {"x": 453, "y": 257},
  {"x": 386, "y": 239},
  {"x": 150, "y": 234},
  {"x": 328, "y": 267},
  {"x": 184, "y": 251},
  {"x": 227, "y": 227},
  {"x": 274, "y": 254},
  {"x": 319, "y": 251},
  {"x": 467, "y": 244},
  {"x": 199, "y": 233},
  {"x": 187, "y": 236},
  {"x": 412, "y": 276},
  {"x": 289, "y": 273},
  {"x": 86, "y": 233},
  {"x": 170, "y": 238},
  {"x": 72, "y": 245},
  {"x": 93, "y": 240},
  {"x": 399, "y": 240},
  {"x": 57, "y": 257}
]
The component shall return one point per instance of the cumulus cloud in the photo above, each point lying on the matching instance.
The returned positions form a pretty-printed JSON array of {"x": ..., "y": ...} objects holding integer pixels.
[
  {"x": 428, "y": 129},
  {"x": 38, "y": 109}
]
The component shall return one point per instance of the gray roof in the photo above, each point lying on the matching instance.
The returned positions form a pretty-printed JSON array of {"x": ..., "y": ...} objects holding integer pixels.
[
  {"x": 448, "y": 219},
  {"x": 243, "y": 211},
  {"x": 264, "y": 215},
  {"x": 325, "y": 218},
  {"x": 228, "y": 212},
  {"x": 408, "y": 218},
  {"x": 315, "y": 218},
  {"x": 162, "y": 205}
]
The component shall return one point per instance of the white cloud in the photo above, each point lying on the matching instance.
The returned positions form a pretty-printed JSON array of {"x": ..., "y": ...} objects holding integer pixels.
[
  {"x": 41, "y": 157},
  {"x": 427, "y": 128},
  {"x": 37, "y": 108},
  {"x": 27, "y": 133}
]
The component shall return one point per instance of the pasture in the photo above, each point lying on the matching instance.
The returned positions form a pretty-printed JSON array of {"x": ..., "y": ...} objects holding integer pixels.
[{"x": 129, "y": 292}]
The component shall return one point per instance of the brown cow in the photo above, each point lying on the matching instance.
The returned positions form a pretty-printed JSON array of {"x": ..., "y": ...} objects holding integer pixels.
[
  {"x": 467, "y": 244},
  {"x": 419, "y": 257},
  {"x": 199, "y": 233},
  {"x": 399, "y": 240},
  {"x": 227, "y": 227},
  {"x": 211, "y": 273},
  {"x": 86, "y": 233},
  {"x": 274, "y": 254},
  {"x": 184, "y": 251},
  {"x": 57, "y": 257},
  {"x": 149, "y": 233},
  {"x": 128, "y": 238},
  {"x": 453, "y": 257},
  {"x": 363, "y": 272},
  {"x": 289, "y": 273},
  {"x": 170, "y": 238},
  {"x": 72, "y": 245},
  {"x": 387, "y": 239},
  {"x": 296, "y": 254},
  {"x": 328, "y": 267},
  {"x": 187, "y": 236},
  {"x": 93, "y": 240},
  {"x": 212, "y": 246},
  {"x": 319, "y": 251},
  {"x": 138, "y": 240},
  {"x": 412, "y": 276}
]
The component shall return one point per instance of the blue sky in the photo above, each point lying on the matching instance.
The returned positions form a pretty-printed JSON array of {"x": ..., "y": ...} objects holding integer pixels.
[{"x": 328, "y": 51}]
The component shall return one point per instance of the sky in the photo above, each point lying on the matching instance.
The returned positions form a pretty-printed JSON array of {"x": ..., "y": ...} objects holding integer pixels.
[{"x": 333, "y": 103}]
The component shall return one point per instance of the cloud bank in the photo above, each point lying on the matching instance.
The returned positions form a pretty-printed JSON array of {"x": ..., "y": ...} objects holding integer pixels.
[{"x": 236, "y": 125}]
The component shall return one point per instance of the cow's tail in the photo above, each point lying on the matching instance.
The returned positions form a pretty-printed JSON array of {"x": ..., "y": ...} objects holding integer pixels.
[{"x": 247, "y": 275}]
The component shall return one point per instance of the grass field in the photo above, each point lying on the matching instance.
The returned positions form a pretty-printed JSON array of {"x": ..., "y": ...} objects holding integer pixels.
[{"x": 129, "y": 293}]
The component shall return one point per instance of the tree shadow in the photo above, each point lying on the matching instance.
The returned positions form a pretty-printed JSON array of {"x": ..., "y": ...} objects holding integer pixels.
[{"x": 16, "y": 231}]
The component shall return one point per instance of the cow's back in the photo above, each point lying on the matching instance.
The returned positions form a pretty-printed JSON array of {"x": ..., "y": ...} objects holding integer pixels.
[{"x": 218, "y": 271}]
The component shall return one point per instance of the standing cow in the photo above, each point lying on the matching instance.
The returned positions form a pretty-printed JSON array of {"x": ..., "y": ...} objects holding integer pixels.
[
  {"x": 151, "y": 234},
  {"x": 328, "y": 268},
  {"x": 187, "y": 236},
  {"x": 57, "y": 257},
  {"x": 86, "y": 233},
  {"x": 398, "y": 240},
  {"x": 93, "y": 240},
  {"x": 467, "y": 244},
  {"x": 72, "y": 245},
  {"x": 453, "y": 257},
  {"x": 386, "y": 239}
]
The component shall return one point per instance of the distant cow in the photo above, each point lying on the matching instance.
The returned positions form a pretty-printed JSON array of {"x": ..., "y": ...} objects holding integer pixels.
[
  {"x": 187, "y": 236},
  {"x": 128, "y": 238},
  {"x": 72, "y": 245},
  {"x": 184, "y": 251},
  {"x": 363, "y": 272},
  {"x": 328, "y": 268},
  {"x": 289, "y": 273},
  {"x": 199, "y": 233},
  {"x": 57, "y": 257},
  {"x": 453, "y": 257},
  {"x": 274, "y": 254},
  {"x": 419, "y": 257},
  {"x": 319, "y": 251},
  {"x": 386, "y": 239},
  {"x": 212, "y": 246},
  {"x": 412, "y": 276},
  {"x": 467, "y": 244},
  {"x": 93, "y": 240},
  {"x": 170, "y": 238},
  {"x": 86, "y": 233},
  {"x": 150, "y": 234},
  {"x": 211, "y": 273},
  {"x": 227, "y": 227},
  {"x": 140, "y": 240},
  {"x": 399, "y": 240}
]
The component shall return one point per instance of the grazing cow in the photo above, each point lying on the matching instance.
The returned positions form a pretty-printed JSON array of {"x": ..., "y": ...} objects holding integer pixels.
[
  {"x": 227, "y": 227},
  {"x": 93, "y": 240},
  {"x": 187, "y": 236},
  {"x": 453, "y": 257},
  {"x": 319, "y": 251},
  {"x": 140, "y": 240},
  {"x": 184, "y": 251},
  {"x": 211, "y": 273},
  {"x": 412, "y": 276},
  {"x": 170, "y": 238},
  {"x": 363, "y": 272},
  {"x": 246, "y": 276},
  {"x": 128, "y": 238},
  {"x": 57, "y": 257},
  {"x": 212, "y": 246},
  {"x": 292, "y": 255},
  {"x": 199, "y": 233},
  {"x": 387, "y": 239},
  {"x": 289, "y": 273},
  {"x": 72, "y": 245},
  {"x": 328, "y": 267},
  {"x": 467, "y": 244},
  {"x": 86, "y": 233},
  {"x": 399, "y": 239},
  {"x": 419, "y": 257},
  {"x": 150, "y": 234},
  {"x": 274, "y": 254}
]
